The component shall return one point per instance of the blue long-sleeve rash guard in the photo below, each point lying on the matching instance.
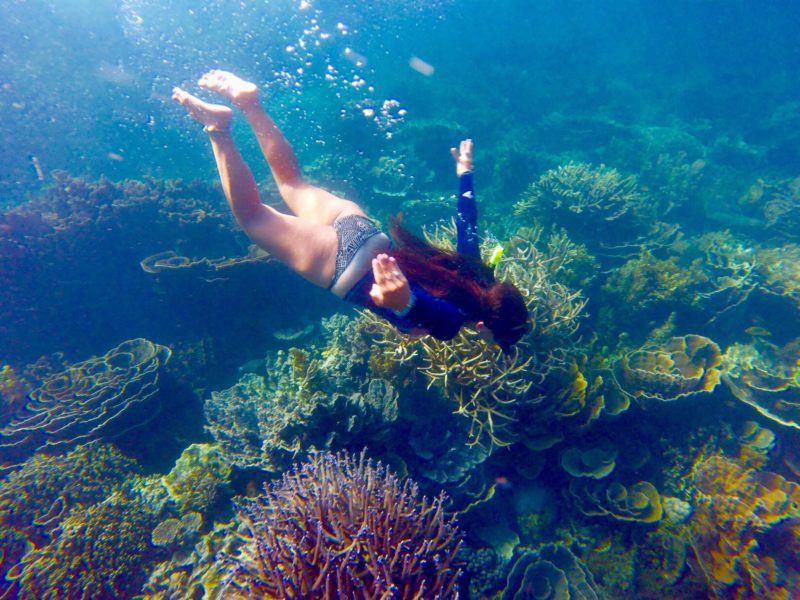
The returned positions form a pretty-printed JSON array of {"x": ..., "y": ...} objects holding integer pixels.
[{"x": 441, "y": 318}]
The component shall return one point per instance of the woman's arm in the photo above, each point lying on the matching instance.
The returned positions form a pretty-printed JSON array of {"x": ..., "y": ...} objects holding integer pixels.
[{"x": 467, "y": 218}]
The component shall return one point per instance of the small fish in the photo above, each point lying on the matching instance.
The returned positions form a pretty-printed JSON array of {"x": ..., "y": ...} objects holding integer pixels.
[
  {"x": 503, "y": 483},
  {"x": 603, "y": 545},
  {"x": 758, "y": 331},
  {"x": 37, "y": 168}
]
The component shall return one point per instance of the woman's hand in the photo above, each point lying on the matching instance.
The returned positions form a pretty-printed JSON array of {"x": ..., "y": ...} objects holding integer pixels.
[
  {"x": 463, "y": 157},
  {"x": 391, "y": 289}
]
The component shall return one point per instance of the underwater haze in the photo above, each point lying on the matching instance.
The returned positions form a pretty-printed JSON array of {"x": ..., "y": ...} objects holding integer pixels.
[{"x": 182, "y": 416}]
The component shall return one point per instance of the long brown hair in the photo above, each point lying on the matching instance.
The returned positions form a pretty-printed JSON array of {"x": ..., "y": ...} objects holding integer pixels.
[{"x": 465, "y": 281}]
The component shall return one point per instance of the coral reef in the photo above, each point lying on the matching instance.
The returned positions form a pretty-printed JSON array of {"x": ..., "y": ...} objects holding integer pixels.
[
  {"x": 265, "y": 423},
  {"x": 35, "y": 497},
  {"x": 193, "y": 571},
  {"x": 782, "y": 210},
  {"x": 100, "y": 397},
  {"x": 596, "y": 462},
  {"x": 765, "y": 377},
  {"x": 594, "y": 203},
  {"x": 648, "y": 288},
  {"x": 340, "y": 526},
  {"x": 101, "y": 551},
  {"x": 199, "y": 479},
  {"x": 552, "y": 572},
  {"x": 745, "y": 529},
  {"x": 683, "y": 366},
  {"x": 174, "y": 532},
  {"x": 638, "y": 502}
]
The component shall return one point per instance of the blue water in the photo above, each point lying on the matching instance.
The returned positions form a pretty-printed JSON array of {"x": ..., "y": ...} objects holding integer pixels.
[{"x": 106, "y": 186}]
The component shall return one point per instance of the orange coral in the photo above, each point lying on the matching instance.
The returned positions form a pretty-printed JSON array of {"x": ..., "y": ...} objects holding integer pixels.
[{"x": 745, "y": 528}]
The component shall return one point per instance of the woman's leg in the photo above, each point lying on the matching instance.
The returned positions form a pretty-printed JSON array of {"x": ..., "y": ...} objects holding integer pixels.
[
  {"x": 306, "y": 247},
  {"x": 303, "y": 199}
]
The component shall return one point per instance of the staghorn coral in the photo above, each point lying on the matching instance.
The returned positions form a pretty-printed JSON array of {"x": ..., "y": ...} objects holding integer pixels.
[
  {"x": 639, "y": 502},
  {"x": 552, "y": 572},
  {"x": 102, "y": 551},
  {"x": 97, "y": 398},
  {"x": 337, "y": 526},
  {"x": 683, "y": 366},
  {"x": 745, "y": 531},
  {"x": 594, "y": 203},
  {"x": 765, "y": 376},
  {"x": 199, "y": 479},
  {"x": 488, "y": 386}
]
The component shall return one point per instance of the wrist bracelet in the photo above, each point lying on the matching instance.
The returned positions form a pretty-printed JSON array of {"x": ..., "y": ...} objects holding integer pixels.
[{"x": 403, "y": 312}]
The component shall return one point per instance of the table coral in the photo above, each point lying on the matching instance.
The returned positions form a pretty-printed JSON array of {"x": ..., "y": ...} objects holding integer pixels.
[
  {"x": 683, "y": 366},
  {"x": 101, "y": 397},
  {"x": 339, "y": 526},
  {"x": 745, "y": 530}
]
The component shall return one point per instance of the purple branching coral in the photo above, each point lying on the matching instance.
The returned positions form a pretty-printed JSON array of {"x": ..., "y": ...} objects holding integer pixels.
[{"x": 339, "y": 527}]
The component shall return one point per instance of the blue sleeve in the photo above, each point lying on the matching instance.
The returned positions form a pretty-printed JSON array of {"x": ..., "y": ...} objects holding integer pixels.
[
  {"x": 441, "y": 318},
  {"x": 467, "y": 219}
]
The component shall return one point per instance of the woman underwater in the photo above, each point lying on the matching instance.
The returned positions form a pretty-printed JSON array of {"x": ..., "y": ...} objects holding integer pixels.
[{"x": 331, "y": 242}]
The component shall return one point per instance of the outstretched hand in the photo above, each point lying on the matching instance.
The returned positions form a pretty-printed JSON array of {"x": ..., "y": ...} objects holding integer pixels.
[
  {"x": 463, "y": 157},
  {"x": 391, "y": 289}
]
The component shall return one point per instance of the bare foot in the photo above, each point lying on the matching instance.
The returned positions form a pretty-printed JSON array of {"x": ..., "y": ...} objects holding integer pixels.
[
  {"x": 242, "y": 93},
  {"x": 214, "y": 117}
]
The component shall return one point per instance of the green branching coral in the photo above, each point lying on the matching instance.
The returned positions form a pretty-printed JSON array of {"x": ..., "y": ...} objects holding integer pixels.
[
  {"x": 340, "y": 527},
  {"x": 597, "y": 203}
]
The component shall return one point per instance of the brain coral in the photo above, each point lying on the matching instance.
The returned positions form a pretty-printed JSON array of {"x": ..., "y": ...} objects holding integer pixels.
[
  {"x": 340, "y": 527},
  {"x": 97, "y": 398},
  {"x": 684, "y": 366}
]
